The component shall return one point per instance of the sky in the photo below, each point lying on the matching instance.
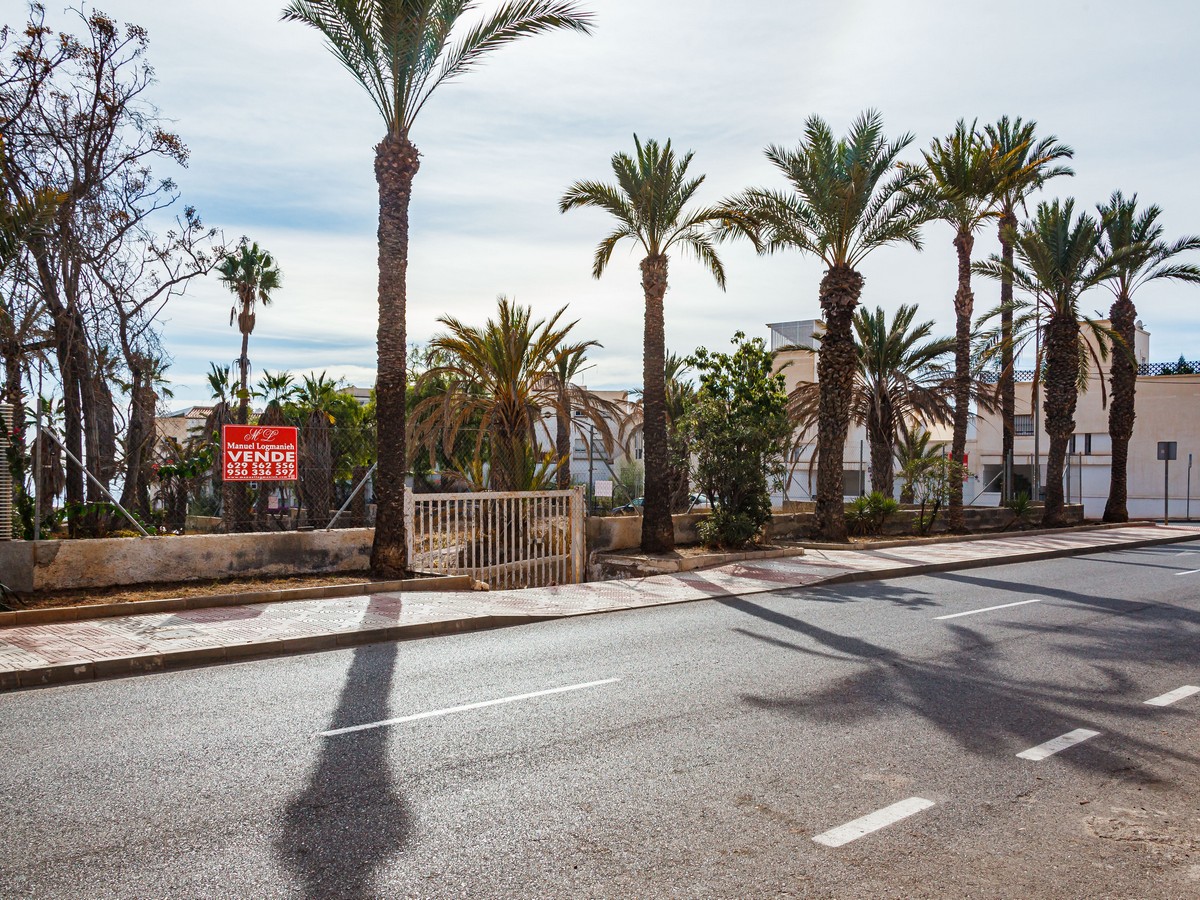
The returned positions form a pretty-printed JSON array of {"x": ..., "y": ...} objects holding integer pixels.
[{"x": 282, "y": 145}]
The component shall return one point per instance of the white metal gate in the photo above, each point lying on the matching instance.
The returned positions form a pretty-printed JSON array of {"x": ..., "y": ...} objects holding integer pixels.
[{"x": 509, "y": 540}]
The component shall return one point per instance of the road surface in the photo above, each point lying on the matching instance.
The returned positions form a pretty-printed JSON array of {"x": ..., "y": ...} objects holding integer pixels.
[{"x": 980, "y": 733}]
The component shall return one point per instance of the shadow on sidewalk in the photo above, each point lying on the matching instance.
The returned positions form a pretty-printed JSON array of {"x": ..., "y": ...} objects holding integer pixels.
[{"x": 349, "y": 819}]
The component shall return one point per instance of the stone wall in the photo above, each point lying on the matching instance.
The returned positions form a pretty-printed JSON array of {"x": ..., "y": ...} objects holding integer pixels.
[
  {"x": 28, "y": 566},
  {"x": 606, "y": 534}
]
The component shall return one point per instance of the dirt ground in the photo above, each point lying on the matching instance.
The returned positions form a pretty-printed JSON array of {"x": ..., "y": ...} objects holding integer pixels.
[{"x": 170, "y": 590}]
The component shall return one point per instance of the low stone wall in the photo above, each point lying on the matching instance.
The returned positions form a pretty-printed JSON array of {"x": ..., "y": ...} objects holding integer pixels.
[
  {"x": 29, "y": 566},
  {"x": 606, "y": 534}
]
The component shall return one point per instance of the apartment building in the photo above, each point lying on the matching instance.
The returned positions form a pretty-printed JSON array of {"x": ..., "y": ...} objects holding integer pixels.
[{"x": 1168, "y": 409}]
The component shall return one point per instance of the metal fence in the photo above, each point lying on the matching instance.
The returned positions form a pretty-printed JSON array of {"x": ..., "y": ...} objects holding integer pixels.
[
  {"x": 1144, "y": 370},
  {"x": 509, "y": 540}
]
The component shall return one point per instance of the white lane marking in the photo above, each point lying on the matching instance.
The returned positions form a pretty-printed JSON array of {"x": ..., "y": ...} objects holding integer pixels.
[
  {"x": 1070, "y": 739},
  {"x": 1173, "y": 696},
  {"x": 1188, "y": 572},
  {"x": 975, "y": 612},
  {"x": 881, "y": 818},
  {"x": 466, "y": 706}
]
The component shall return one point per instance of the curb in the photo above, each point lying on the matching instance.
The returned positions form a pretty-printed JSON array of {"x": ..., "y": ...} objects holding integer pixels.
[
  {"x": 147, "y": 663},
  {"x": 53, "y": 614},
  {"x": 884, "y": 544}
]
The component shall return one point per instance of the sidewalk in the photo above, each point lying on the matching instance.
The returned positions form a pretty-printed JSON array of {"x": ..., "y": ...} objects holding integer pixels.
[{"x": 33, "y": 655}]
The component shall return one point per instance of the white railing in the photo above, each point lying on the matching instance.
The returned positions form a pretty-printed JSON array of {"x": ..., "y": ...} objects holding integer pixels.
[
  {"x": 6, "y": 483},
  {"x": 509, "y": 540}
]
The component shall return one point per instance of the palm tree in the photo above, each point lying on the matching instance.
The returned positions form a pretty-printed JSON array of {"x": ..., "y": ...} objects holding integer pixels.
[
  {"x": 966, "y": 178},
  {"x": 1034, "y": 163},
  {"x": 901, "y": 380},
  {"x": 499, "y": 379},
  {"x": 649, "y": 202},
  {"x": 1058, "y": 261},
  {"x": 568, "y": 364},
  {"x": 251, "y": 274},
  {"x": 915, "y": 456},
  {"x": 848, "y": 198},
  {"x": 1137, "y": 239},
  {"x": 400, "y": 51}
]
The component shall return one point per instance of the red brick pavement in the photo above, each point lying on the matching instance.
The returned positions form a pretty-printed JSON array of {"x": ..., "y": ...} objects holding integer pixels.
[{"x": 38, "y": 654}]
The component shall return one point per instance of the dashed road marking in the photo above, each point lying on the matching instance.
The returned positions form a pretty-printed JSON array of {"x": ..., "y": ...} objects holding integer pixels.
[
  {"x": 1173, "y": 696},
  {"x": 864, "y": 825},
  {"x": 1070, "y": 739},
  {"x": 466, "y": 706},
  {"x": 1188, "y": 572},
  {"x": 975, "y": 612}
]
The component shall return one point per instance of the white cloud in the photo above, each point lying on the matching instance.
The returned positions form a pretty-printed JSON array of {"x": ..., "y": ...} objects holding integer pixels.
[{"x": 282, "y": 143}]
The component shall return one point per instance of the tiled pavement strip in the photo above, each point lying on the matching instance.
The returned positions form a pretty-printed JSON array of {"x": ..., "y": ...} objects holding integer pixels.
[{"x": 69, "y": 651}]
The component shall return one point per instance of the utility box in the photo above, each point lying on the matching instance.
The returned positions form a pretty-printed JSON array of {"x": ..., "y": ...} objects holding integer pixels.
[{"x": 6, "y": 481}]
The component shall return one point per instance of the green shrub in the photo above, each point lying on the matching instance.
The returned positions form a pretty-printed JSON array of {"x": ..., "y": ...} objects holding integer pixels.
[
  {"x": 1020, "y": 506},
  {"x": 867, "y": 515}
]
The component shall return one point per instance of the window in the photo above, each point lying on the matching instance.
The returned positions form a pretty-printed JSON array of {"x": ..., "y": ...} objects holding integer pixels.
[
  {"x": 1087, "y": 445},
  {"x": 1023, "y": 425},
  {"x": 638, "y": 453}
]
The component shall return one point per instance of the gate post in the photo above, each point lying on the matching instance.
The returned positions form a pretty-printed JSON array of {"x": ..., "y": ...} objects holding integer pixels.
[
  {"x": 578, "y": 537},
  {"x": 6, "y": 475},
  {"x": 410, "y": 506}
]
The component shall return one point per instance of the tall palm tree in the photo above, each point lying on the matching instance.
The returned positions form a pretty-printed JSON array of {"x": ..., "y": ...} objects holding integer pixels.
[
  {"x": 650, "y": 205},
  {"x": 901, "y": 380},
  {"x": 251, "y": 274},
  {"x": 966, "y": 177},
  {"x": 499, "y": 379},
  {"x": 848, "y": 198},
  {"x": 1035, "y": 162},
  {"x": 1057, "y": 261},
  {"x": 1136, "y": 237},
  {"x": 400, "y": 51}
]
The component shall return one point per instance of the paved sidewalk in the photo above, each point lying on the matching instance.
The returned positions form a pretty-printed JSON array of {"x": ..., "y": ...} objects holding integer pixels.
[{"x": 70, "y": 651}]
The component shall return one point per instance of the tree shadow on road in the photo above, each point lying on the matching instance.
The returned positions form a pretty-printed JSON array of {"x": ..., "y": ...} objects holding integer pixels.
[
  {"x": 349, "y": 819},
  {"x": 968, "y": 692}
]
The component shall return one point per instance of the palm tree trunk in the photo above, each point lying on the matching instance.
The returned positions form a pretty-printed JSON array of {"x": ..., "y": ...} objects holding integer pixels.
[
  {"x": 562, "y": 438},
  {"x": 658, "y": 529},
  {"x": 1121, "y": 409},
  {"x": 396, "y": 164},
  {"x": 1062, "y": 393},
  {"x": 964, "y": 308},
  {"x": 883, "y": 476},
  {"x": 1008, "y": 385},
  {"x": 837, "y": 362},
  {"x": 244, "y": 368}
]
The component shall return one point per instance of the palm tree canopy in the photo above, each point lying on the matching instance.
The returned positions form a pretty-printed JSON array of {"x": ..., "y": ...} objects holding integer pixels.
[
  {"x": 250, "y": 273},
  {"x": 848, "y": 196},
  {"x": 967, "y": 176},
  {"x": 902, "y": 376},
  {"x": 1058, "y": 259},
  {"x": 649, "y": 203},
  {"x": 1135, "y": 239},
  {"x": 401, "y": 50},
  {"x": 1035, "y": 161},
  {"x": 500, "y": 377}
]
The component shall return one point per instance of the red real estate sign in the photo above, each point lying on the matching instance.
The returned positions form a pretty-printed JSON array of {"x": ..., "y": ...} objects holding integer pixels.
[{"x": 258, "y": 453}]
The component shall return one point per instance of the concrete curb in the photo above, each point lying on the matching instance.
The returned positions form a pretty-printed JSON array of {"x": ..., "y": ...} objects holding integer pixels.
[
  {"x": 52, "y": 614},
  {"x": 146, "y": 663},
  {"x": 885, "y": 544}
]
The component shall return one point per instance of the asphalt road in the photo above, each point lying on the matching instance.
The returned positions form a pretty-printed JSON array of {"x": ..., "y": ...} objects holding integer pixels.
[{"x": 698, "y": 750}]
